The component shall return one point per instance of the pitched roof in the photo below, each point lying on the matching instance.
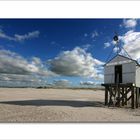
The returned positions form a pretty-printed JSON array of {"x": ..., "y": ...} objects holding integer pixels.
[{"x": 124, "y": 57}]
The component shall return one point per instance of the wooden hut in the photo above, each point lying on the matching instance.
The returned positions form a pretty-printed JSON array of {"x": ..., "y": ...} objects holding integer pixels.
[
  {"x": 121, "y": 80},
  {"x": 121, "y": 69}
]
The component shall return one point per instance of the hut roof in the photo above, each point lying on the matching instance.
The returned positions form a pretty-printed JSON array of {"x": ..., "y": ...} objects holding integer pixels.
[{"x": 123, "y": 57}]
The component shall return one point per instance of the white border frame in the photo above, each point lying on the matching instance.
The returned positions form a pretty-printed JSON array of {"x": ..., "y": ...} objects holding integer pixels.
[{"x": 69, "y": 9}]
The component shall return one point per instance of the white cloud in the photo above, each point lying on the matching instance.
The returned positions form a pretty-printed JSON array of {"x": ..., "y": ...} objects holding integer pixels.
[
  {"x": 13, "y": 63},
  {"x": 87, "y": 83},
  {"x": 15, "y": 68},
  {"x": 91, "y": 35},
  {"x": 75, "y": 63},
  {"x": 116, "y": 49},
  {"x": 27, "y": 36},
  {"x": 19, "y": 80},
  {"x": 130, "y": 37},
  {"x": 94, "y": 34},
  {"x": 100, "y": 76},
  {"x": 85, "y": 46},
  {"x": 37, "y": 61},
  {"x": 15, "y": 80},
  {"x": 131, "y": 43},
  {"x": 129, "y": 23},
  {"x": 62, "y": 83},
  {"x": 15, "y": 77},
  {"x": 107, "y": 44},
  {"x": 18, "y": 37},
  {"x": 4, "y": 36}
]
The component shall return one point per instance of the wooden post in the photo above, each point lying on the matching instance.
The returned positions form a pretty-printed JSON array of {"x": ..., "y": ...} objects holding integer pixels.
[
  {"x": 118, "y": 95},
  {"x": 137, "y": 94},
  {"x": 138, "y": 97},
  {"x": 106, "y": 95},
  {"x": 110, "y": 96},
  {"x": 120, "y": 92},
  {"x": 125, "y": 95},
  {"x": 133, "y": 97},
  {"x": 123, "y": 98}
]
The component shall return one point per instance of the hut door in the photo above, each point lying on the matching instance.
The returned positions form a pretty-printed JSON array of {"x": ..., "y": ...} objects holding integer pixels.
[{"x": 118, "y": 74}]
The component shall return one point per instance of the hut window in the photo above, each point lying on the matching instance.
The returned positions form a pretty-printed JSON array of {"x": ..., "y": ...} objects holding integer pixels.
[{"x": 118, "y": 74}]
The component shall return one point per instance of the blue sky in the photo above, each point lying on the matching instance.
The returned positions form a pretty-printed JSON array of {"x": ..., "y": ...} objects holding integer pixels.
[{"x": 61, "y": 51}]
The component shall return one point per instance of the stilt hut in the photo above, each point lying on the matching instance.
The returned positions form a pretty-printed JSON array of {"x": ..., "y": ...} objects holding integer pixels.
[{"x": 122, "y": 81}]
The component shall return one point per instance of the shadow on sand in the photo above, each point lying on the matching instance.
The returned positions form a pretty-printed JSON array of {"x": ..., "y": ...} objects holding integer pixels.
[{"x": 55, "y": 103}]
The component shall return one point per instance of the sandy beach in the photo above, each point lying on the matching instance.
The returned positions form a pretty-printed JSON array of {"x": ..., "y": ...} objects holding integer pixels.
[{"x": 60, "y": 105}]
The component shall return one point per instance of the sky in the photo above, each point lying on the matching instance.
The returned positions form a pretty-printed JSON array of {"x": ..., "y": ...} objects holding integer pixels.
[{"x": 62, "y": 52}]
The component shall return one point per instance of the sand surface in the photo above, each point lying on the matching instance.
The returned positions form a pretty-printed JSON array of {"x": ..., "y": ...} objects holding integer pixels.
[{"x": 60, "y": 105}]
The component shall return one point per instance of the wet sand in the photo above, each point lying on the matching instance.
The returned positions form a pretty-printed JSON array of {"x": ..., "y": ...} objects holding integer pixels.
[{"x": 60, "y": 105}]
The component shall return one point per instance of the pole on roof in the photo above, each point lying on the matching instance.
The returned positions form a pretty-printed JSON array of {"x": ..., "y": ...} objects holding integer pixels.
[
  {"x": 118, "y": 47},
  {"x": 116, "y": 40}
]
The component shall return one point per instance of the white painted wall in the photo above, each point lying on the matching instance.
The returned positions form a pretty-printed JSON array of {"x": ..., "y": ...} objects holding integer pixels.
[
  {"x": 129, "y": 72},
  {"x": 138, "y": 76},
  {"x": 109, "y": 74}
]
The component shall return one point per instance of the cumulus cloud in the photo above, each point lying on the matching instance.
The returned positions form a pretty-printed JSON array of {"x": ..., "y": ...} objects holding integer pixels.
[
  {"x": 87, "y": 83},
  {"x": 61, "y": 83},
  {"x": 131, "y": 43},
  {"x": 100, "y": 76},
  {"x": 18, "y": 37},
  {"x": 19, "y": 78},
  {"x": 13, "y": 63},
  {"x": 37, "y": 61},
  {"x": 14, "y": 67},
  {"x": 129, "y": 23},
  {"x": 76, "y": 62},
  {"x": 16, "y": 80}
]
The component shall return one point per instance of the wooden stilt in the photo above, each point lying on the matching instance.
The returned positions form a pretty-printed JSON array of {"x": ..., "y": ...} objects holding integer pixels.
[
  {"x": 133, "y": 98},
  {"x": 139, "y": 97},
  {"x": 137, "y": 92},
  {"x": 106, "y": 96},
  {"x": 118, "y": 94},
  {"x": 110, "y": 96},
  {"x": 123, "y": 96}
]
